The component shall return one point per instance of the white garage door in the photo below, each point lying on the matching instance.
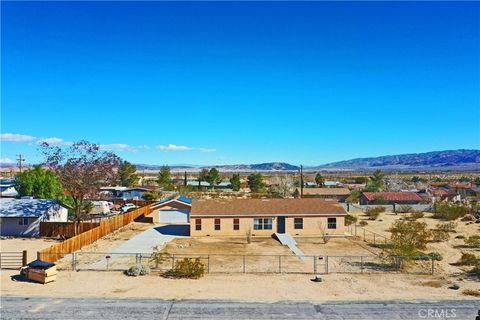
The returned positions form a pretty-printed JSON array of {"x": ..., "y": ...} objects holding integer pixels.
[{"x": 173, "y": 216}]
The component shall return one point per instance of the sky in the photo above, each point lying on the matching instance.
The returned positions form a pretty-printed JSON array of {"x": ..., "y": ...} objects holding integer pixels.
[{"x": 228, "y": 83}]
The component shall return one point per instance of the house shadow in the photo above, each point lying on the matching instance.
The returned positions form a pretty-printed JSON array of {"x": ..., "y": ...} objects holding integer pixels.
[{"x": 174, "y": 230}]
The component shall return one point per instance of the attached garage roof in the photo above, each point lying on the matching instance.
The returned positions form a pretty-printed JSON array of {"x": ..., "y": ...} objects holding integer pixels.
[{"x": 272, "y": 207}]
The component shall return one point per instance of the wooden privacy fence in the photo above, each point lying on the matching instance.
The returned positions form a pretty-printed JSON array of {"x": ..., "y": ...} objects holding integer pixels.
[
  {"x": 64, "y": 229},
  {"x": 59, "y": 250}
]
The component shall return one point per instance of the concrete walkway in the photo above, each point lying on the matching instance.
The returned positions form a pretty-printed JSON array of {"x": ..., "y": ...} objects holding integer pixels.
[{"x": 287, "y": 240}]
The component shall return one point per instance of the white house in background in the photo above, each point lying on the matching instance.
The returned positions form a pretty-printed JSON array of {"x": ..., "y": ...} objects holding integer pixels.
[
  {"x": 22, "y": 217},
  {"x": 7, "y": 188},
  {"x": 124, "y": 193}
]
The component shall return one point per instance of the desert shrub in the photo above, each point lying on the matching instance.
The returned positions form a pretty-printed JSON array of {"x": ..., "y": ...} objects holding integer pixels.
[
  {"x": 363, "y": 223},
  {"x": 349, "y": 219},
  {"x": 449, "y": 211},
  {"x": 374, "y": 212},
  {"x": 440, "y": 235},
  {"x": 471, "y": 292},
  {"x": 473, "y": 241},
  {"x": 476, "y": 271},
  {"x": 144, "y": 270},
  {"x": 409, "y": 235},
  {"x": 460, "y": 237},
  {"x": 158, "y": 257},
  {"x": 133, "y": 271},
  {"x": 188, "y": 268},
  {"x": 416, "y": 215},
  {"x": 404, "y": 208},
  {"x": 468, "y": 259},
  {"x": 447, "y": 226},
  {"x": 428, "y": 256}
]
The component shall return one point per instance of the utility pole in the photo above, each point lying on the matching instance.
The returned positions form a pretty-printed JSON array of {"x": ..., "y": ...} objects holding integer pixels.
[
  {"x": 20, "y": 160},
  {"x": 301, "y": 181}
]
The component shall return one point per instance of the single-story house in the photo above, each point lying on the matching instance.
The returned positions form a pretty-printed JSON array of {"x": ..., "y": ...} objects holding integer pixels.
[
  {"x": 369, "y": 198},
  {"x": 124, "y": 193},
  {"x": 204, "y": 184},
  {"x": 7, "y": 188},
  {"x": 440, "y": 194},
  {"x": 264, "y": 217},
  {"x": 22, "y": 217},
  {"x": 340, "y": 194},
  {"x": 171, "y": 210}
]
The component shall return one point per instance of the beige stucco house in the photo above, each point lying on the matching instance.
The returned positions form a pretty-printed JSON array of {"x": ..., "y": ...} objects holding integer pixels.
[{"x": 264, "y": 217}]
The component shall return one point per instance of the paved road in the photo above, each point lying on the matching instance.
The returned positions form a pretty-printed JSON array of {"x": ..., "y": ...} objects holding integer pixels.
[{"x": 115, "y": 309}]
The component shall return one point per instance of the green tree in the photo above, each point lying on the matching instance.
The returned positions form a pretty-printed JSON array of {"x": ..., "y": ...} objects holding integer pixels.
[
  {"x": 235, "y": 181},
  {"x": 202, "y": 176},
  {"x": 355, "y": 196},
  {"x": 127, "y": 176},
  {"x": 39, "y": 183},
  {"x": 150, "y": 195},
  {"x": 409, "y": 236},
  {"x": 255, "y": 182},
  {"x": 165, "y": 178},
  {"x": 214, "y": 177},
  {"x": 375, "y": 182},
  {"x": 319, "y": 180}
]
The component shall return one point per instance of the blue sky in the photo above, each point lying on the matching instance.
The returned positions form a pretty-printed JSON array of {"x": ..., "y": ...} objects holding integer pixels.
[{"x": 225, "y": 82}]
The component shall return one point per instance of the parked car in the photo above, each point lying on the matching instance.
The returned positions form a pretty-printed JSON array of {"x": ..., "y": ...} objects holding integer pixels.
[{"x": 128, "y": 206}]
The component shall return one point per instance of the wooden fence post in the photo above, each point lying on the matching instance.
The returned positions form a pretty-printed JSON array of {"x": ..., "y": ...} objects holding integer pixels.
[
  {"x": 279, "y": 264},
  {"x": 24, "y": 258},
  {"x": 244, "y": 270}
]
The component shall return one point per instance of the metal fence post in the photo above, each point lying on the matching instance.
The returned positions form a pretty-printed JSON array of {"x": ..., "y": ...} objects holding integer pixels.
[
  {"x": 173, "y": 261},
  {"x": 279, "y": 264},
  {"x": 326, "y": 265},
  {"x": 433, "y": 266},
  {"x": 361, "y": 264},
  {"x": 73, "y": 261},
  {"x": 315, "y": 264},
  {"x": 208, "y": 264},
  {"x": 364, "y": 239},
  {"x": 355, "y": 229},
  {"x": 244, "y": 270},
  {"x": 374, "y": 239}
]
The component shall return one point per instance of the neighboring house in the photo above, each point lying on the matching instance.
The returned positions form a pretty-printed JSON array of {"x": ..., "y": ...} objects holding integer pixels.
[
  {"x": 369, "y": 198},
  {"x": 7, "y": 189},
  {"x": 172, "y": 210},
  {"x": 440, "y": 194},
  {"x": 264, "y": 217},
  {"x": 309, "y": 184},
  {"x": 355, "y": 186},
  {"x": 22, "y": 217},
  {"x": 204, "y": 184},
  {"x": 462, "y": 189},
  {"x": 124, "y": 193},
  {"x": 330, "y": 184},
  {"x": 340, "y": 194}
]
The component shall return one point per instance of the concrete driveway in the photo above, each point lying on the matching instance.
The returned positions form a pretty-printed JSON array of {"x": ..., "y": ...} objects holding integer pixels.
[{"x": 144, "y": 242}]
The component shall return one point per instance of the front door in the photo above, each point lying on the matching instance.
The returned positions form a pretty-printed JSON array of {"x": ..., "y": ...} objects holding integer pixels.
[{"x": 281, "y": 224}]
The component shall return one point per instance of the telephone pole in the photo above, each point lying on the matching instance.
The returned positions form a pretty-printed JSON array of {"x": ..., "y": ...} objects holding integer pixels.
[
  {"x": 301, "y": 181},
  {"x": 20, "y": 160}
]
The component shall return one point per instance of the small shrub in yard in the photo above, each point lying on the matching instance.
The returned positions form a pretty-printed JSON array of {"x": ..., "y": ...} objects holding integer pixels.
[
  {"x": 404, "y": 209},
  {"x": 440, "y": 235},
  {"x": 428, "y": 256},
  {"x": 416, "y": 215},
  {"x": 476, "y": 271},
  {"x": 363, "y": 223},
  {"x": 468, "y": 259},
  {"x": 447, "y": 226},
  {"x": 133, "y": 271},
  {"x": 374, "y": 212},
  {"x": 349, "y": 219},
  {"x": 470, "y": 292},
  {"x": 447, "y": 211},
  {"x": 144, "y": 270},
  {"x": 473, "y": 241},
  {"x": 188, "y": 268}
]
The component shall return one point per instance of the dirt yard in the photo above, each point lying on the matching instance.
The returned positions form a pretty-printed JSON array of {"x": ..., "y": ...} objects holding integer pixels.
[
  {"x": 32, "y": 245},
  {"x": 243, "y": 287}
]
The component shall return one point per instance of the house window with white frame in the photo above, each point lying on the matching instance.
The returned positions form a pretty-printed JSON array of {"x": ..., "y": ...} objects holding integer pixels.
[{"x": 262, "y": 224}]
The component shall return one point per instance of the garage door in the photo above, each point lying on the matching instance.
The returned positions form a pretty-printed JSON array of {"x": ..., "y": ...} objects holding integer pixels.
[{"x": 173, "y": 216}]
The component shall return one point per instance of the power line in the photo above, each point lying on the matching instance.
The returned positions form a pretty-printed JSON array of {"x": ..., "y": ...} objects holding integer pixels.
[{"x": 20, "y": 160}]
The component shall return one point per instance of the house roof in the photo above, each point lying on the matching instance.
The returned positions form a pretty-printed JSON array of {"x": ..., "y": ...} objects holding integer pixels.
[
  {"x": 182, "y": 199},
  {"x": 266, "y": 207},
  {"x": 393, "y": 196},
  {"x": 327, "y": 191},
  {"x": 24, "y": 208}
]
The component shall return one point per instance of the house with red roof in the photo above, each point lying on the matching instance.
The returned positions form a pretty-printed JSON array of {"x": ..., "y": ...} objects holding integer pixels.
[{"x": 369, "y": 198}]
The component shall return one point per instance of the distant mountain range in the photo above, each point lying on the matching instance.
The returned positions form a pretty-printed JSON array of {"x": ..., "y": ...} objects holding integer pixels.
[{"x": 453, "y": 160}]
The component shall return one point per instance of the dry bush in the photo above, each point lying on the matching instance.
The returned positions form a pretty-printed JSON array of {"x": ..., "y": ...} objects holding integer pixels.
[
  {"x": 188, "y": 268},
  {"x": 471, "y": 292},
  {"x": 473, "y": 241},
  {"x": 374, "y": 212},
  {"x": 468, "y": 259},
  {"x": 349, "y": 219},
  {"x": 404, "y": 208},
  {"x": 440, "y": 235},
  {"x": 416, "y": 215},
  {"x": 363, "y": 223},
  {"x": 447, "y": 226},
  {"x": 449, "y": 211}
]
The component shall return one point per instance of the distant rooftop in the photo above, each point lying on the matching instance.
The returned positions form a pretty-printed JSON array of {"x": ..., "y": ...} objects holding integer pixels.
[{"x": 26, "y": 208}]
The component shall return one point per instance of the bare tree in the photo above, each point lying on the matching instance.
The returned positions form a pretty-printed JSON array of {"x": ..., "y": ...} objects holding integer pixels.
[
  {"x": 323, "y": 232},
  {"x": 394, "y": 183},
  {"x": 248, "y": 232},
  {"x": 83, "y": 168},
  {"x": 284, "y": 185}
]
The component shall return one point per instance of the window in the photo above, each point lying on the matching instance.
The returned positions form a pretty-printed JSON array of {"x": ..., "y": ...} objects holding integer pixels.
[
  {"x": 236, "y": 224},
  {"x": 298, "y": 223},
  {"x": 198, "y": 224},
  {"x": 262, "y": 224},
  {"x": 332, "y": 223},
  {"x": 217, "y": 224},
  {"x": 23, "y": 222}
]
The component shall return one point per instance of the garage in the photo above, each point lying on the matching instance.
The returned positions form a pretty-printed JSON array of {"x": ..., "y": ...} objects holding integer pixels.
[{"x": 172, "y": 211}]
